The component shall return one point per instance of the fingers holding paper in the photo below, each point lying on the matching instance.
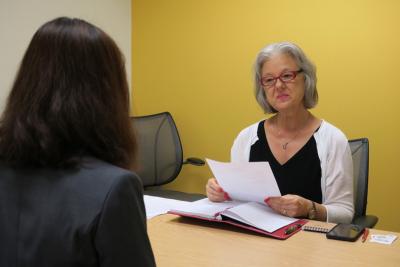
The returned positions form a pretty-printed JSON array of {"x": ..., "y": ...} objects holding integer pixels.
[
  {"x": 215, "y": 192},
  {"x": 289, "y": 205}
]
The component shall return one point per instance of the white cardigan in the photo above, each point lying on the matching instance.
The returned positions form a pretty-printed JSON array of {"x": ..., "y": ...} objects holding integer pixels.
[{"x": 336, "y": 167}]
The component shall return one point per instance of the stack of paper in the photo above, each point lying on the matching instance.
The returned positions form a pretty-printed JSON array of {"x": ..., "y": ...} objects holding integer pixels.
[{"x": 157, "y": 205}]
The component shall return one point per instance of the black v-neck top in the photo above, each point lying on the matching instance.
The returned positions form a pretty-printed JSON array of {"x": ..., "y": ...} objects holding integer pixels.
[{"x": 300, "y": 175}]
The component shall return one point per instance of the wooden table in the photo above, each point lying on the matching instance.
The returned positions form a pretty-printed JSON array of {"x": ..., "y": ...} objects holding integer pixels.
[{"x": 180, "y": 241}]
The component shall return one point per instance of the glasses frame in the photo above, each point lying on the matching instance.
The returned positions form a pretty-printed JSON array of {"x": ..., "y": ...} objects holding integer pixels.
[{"x": 294, "y": 72}]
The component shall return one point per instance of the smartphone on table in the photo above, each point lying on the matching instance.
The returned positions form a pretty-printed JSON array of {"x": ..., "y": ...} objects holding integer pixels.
[{"x": 345, "y": 232}]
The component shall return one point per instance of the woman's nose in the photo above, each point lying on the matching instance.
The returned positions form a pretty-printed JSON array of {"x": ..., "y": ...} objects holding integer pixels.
[{"x": 279, "y": 84}]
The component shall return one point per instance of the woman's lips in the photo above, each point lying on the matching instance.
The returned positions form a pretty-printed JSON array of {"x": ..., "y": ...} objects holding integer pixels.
[{"x": 282, "y": 96}]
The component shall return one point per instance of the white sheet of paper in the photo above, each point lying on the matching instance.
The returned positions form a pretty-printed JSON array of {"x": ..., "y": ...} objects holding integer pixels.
[
  {"x": 206, "y": 208},
  {"x": 245, "y": 181},
  {"x": 158, "y": 205},
  {"x": 383, "y": 239},
  {"x": 260, "y": 216}
]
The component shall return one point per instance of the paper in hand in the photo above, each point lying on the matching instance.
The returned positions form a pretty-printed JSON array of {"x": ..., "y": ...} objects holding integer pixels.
[{"x": 245, "y": 181}]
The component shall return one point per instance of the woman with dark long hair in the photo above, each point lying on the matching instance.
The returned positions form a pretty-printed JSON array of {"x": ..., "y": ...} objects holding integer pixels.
[{"x": 68, "y": 193}]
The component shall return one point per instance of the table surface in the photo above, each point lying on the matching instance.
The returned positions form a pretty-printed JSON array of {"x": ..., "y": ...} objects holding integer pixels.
[{"x": 179, "y": 241}]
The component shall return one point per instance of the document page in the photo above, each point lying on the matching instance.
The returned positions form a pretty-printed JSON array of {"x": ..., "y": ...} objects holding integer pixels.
[
  {"x": 158, "y": 205},
  {"x": 245, "y": 181},
  {"x": 259, "y": 215},
  {"x": 205, "y": 208}
]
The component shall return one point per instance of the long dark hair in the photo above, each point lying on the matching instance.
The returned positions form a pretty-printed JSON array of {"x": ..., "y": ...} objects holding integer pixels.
[{"x": 70, "y": 99}]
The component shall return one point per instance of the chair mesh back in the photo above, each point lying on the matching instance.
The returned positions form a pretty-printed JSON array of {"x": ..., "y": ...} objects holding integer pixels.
[
  {"x": 159, "y": 148},
  {"x": 360, "y": 154}
]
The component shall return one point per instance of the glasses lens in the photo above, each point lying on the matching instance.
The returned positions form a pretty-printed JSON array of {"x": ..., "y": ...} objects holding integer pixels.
[
  {"x": 268, "y": 81},
  {"x": 288, "y": 76}
]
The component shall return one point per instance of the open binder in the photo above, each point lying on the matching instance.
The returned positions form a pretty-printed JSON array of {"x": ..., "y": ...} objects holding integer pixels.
[{"x": 252, "y": 216}]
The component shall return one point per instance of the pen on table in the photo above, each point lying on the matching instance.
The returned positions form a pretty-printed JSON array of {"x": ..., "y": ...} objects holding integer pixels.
[
  {"x": 365, "y": 235},
  {"x": 292, "y": 228}
]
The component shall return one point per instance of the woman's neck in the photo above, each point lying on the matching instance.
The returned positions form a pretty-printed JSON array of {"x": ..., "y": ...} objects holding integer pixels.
[{"x": 292, "y": 121}]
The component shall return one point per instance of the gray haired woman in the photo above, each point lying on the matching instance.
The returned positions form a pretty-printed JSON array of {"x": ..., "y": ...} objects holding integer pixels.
[{"x": 310, "y": 158}]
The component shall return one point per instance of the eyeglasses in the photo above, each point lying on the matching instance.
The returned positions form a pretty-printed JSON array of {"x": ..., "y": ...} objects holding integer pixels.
[{"x": 285, "y": 77}]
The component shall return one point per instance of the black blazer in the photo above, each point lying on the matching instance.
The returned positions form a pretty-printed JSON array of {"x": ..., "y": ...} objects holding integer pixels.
[{"x": 90, "y": 216}]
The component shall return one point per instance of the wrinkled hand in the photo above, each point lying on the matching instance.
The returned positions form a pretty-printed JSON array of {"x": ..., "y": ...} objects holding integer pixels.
[
  {"x": 215, "y": 193},
  {"x": 289, "y": 205}
]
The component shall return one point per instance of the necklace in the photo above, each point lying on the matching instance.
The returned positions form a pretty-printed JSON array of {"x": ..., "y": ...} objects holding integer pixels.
[
  {"x": 284, "y": 145},
  {"x": 287, "y": 142}
]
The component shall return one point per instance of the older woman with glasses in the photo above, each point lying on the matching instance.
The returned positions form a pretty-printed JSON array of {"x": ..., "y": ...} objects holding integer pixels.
[{"x": 310, "y": 158}]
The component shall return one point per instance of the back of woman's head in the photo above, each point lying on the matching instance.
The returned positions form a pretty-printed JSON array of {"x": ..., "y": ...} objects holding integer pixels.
[{"x": 70, "y": 99}]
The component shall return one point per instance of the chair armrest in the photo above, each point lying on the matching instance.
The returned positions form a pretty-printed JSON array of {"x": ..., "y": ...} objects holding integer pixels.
[
  {"x": 178, "y": 195},
  {"x": 368, "y": 221},
  {"x": 194, "y": 161}
]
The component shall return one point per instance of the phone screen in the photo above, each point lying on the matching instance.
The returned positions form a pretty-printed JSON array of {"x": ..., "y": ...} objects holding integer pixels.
[{"x": 347, "y": 232}]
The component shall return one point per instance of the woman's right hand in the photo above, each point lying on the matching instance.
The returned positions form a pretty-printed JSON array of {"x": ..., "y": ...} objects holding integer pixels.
[{"x": 215, "y": 193}]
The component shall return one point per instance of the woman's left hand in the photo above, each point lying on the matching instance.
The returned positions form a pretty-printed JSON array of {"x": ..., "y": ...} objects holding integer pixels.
[{"x": 289, "y": 205}]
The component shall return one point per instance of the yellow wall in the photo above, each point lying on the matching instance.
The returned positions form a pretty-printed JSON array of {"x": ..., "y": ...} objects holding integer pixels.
[{"x": 194, "y": 59}]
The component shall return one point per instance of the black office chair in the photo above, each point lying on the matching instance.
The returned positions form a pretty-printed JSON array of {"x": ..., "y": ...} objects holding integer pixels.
[
  {"x": 160, "y": 156},
  {"x": 360, "y": 154}
]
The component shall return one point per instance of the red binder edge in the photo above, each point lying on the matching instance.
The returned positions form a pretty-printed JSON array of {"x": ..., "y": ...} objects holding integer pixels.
[{"x": 278, "y": 234}]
